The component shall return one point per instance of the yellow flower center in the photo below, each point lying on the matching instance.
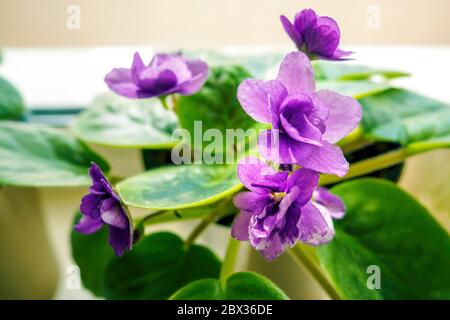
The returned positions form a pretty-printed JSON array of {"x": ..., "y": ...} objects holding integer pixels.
[{"x": 277, "y": 196}]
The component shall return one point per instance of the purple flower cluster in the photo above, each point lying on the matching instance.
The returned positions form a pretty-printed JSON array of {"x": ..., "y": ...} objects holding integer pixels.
[
  {"x": 281, "y": 206},
  {"x": 102, "y": 206},
  {"x": 315, "y": 35},
  {"x": 284, "y": 206}
]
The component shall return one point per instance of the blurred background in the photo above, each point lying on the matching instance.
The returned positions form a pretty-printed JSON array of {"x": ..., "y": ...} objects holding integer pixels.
[
  {"x": 206, "y": 23},
  {"x": 57, "y": 52}
]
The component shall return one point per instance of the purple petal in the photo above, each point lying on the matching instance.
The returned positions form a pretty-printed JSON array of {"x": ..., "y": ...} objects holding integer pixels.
[
  {"x": 297, "y": 103},
  {"x": 305, "y": 20},
  {"x": 322, "y": 40},
  {"x": 331, "y": 202},
  {"x": 296, "y": 73},
  {"x": 156, "y": 81},
  {"x": 239, "y": 229},
  {"x": 325, "y": 38},
  {"x": 109, "y": 190},
  {"x": 273, "y": 182},
  {"x": 329, "y": 22},
  {"x": 261, "y": 98},
  {"x": 90, "y": 205},
  {"x": 281, "y": 148},
  {"x": 160, "y": 58},
  {"x": 97, "y": 188},
  {"x": 119, "y": 80},
  {"x": 326, "y": 159},
  {"x": 306, "y": 181},
  {"x": 113, "y": 214},
  {"x": 290, "y": 233},
  {"x": 318, "y": 116},
  {"x": 87, "y": 225},
  {"x": 177, "y": 64},
  {"x": 257, "y": 234},
  {"x": 249, "y": 169},
  {"x": 303, "y": 130},
  {"x": 277, "y": 219},
  {"x": 199, "y": 71},
  {"x": 315, "y": 226},
  {"x": 120, "y": 240},
  {"x": 295, "y": 122},
  {"x": 344, "y": 114},
  {"x": 251, "y": 201},
  {"x": 341, "y": 55},
  {"x": 272, "y": 248},
  {"x": 96, "y": 173},
  {"x": 98, "y": 178},
  {"x": 136, "y": 67},
  {"x": 291, "y": 31}
]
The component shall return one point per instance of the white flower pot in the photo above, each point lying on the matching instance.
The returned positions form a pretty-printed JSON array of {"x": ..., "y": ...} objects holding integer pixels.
[{"x": 28, "y": 268}]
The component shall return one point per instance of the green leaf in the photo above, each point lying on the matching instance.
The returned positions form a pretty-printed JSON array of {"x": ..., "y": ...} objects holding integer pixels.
[
  {"x": 407, "y": 118},
  {"x": 182, "y": 214},
  {"x": 177, "y": 187},
  {"x": 386, "y": 227},
  {"x": 158, "y": 266},
  {"x": 11, "y": 104},
  {"x": 325, "y": 70},
  {"x": 239, "y": 286},
  {"x": 216, "y": 105},
  {"x": 92, "y": 254},
  {"x": 32, "y": 155},
  {"x": 125, "y": 123},
  {"x": 356, "y": 89}
]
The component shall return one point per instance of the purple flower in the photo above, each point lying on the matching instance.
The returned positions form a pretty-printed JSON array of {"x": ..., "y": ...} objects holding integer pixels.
[
  {"x": 330, "y": 202},
  {"x": 166, "y": 74},
  {"x": 315, "y": 35},
  {"x": 305, "y": 123},
  {"x": 102, "y": 206},
  {"x": 277, "y": 210}
]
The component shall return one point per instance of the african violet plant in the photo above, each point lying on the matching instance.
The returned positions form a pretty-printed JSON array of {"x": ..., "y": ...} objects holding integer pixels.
[{"x": 285, "y": 141}]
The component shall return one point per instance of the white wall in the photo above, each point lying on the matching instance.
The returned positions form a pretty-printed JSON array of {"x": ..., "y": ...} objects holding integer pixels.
[{"x": 207, "y": 23}]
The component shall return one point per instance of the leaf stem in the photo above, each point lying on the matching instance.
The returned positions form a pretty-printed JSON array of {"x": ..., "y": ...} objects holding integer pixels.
[
  {"x": 354, "y": 141},
  {"x": 229, "y": 262},
  {"x": 206, "y": 221},
  {"x": 174, "y": 99},
  {"x": 306, "y": 258},
  {"x": 356, "y": 145},
  {"x": 163, "y": 100},
  {"x": 368, "y": 166},
  {"x": 152, "y": 215}
]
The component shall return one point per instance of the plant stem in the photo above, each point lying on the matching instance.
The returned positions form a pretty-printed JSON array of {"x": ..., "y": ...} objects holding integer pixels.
[
  {"x": 229, "y": 262},
  {"x": 353, "y": 141},
  {"x": 174, "y": 103},
  {"x": 368, "y": 166},
  {"x": 163, "y": 100},
  {"x": 356, "y": 145},
  {"x": 154, "y": 215},
  {"x": 304, "y": 257},
  {"x": 206, "y": 222},
  {"x": 142, "y": 222}
]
